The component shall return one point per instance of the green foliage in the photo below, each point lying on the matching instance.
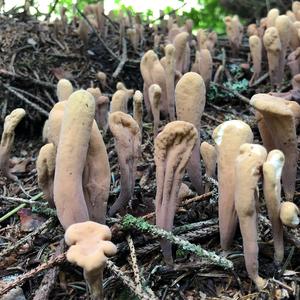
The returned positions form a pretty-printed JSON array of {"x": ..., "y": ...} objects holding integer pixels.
[
  {"x": 210, "y": 17},
  {"x": 239, "y": 86}
]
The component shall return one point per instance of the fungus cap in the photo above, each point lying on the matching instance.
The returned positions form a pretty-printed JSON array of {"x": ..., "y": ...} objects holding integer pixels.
[{"x": 289, "y": 214}]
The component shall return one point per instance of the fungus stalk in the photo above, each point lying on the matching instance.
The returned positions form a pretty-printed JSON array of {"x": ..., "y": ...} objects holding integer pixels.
[
  {"x": 71, "y": 157},
  {"x": 90, "y": 246},
  {"x": 127, "y": 137},
  {"x": 228, "y": 137},
  {"x": 138, "y": 108},
  {"x": 256, "y": 52},
  {"x": 272, "y": 170},
  {"x": 7, "y": 140},
  {"x": 155, "y": 96},
  {"x": 173, "y": 147},
  {"x": 170, "y": 79},
  {"x": 247, "y": 168},
  {"x": 190, "y": 102}
]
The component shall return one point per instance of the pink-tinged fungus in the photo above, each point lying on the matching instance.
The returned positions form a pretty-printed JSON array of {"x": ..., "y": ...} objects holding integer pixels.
[
  {"x": 173, "y": 147},
  {"x": 289, "y": 214},
  {"x": 102, "y": 77},
  {"x": 272, "y": 44},
  {"x": 90, "y": 246},
  {"x": 234, "y": 31},
  {"x": 155, "y": 98},
  {"x": 272, "y": 16},
  {"x": 45, "y": 166},
  {"x": 138, "y": 108},
  {"x": 154, "y": 73},
  {"x": 293, "y": 61},
  {"x": 64, "y": 89},
  {"x": 7, "y": 141},
  {"x": 71, "y": 156},
  {"x": 228, "y": 137},
  {"x": 248, "y": 166},
  {"x": 101, "y": 109},
  {"x": 170, "y": 79},
  {"x": 280, "y": 121},
  {"x": 127, "y": 137},
  {"x": 252, "y": 30},
  {"x": 283, "y": 25},
  {"x": 190, "y": 101},
  {"x": 256, "y": 53},
  {"x": 119, "y": 101},
  {"x": 201, "y": 39},
  {"x": 272, "y": 170},
  {"x": 182, "y": 51},
  {"x": 209, "y": 156}
]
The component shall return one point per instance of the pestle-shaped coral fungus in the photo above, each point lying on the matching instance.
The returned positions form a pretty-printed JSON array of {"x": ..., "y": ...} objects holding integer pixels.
[
  {"x": 7, "y": 140},
  {"x": 256, "y": 52},
  {"x": 101, "y": 109},
  {"x": 283, "y": 26},
  {"x": 155, "y": 98},
  {"x": 272, "y": 44},
  {"x": 182, "y": 51},
  {"x": 138, "y": 108},
  {"x": 127, "y": 137},
  {"x": 190, "y": 102},
  {"x": 279, "y": 121},
  {"x": 289, "y": 214},
  {"x": 45, "y": 166},
  {"x": 64, "y": 89},
  {"x": 170, "y": 79},
  {"x": 120, "y": 99},
  {"x": 209, "y": 156},
  {"x": 228, "y": 137},
  {"x": 90, "y": 246},
  {"x": 272, "y": 16},
  {"x": 248, "y": 166},
  {"x": 173, "y": 147},
  {"x": 234, "y": 31},
  {"x": 153, "y": 72},
  {"x": 71, "y": 157},
  {"x": 272, "y": 170}
]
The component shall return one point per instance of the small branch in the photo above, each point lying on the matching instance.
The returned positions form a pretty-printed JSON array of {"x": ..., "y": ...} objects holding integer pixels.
[
  {"x": 54, "y": 261},
  {"x": 17, "y": 244},
  {"x": 21, "y": 97},
  {"x": 238, "y": 95},
  {"x": 130, "y": 221},
  {"x": 260, "y": 79},
  {"x": 123, "y": 60},
  {"x": 127, "y": 281}
]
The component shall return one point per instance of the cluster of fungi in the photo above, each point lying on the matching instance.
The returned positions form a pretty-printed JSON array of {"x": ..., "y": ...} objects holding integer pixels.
[{"x": 73, "y": 166}]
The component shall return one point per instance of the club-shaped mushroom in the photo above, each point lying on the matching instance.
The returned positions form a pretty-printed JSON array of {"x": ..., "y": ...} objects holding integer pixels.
[
  {"x": 182, "y": 51},
  {"x": 228, "y": 137},
  {"x": 138, "y": 108},
  {"x": 272, "y": 170},
  {"x": 90, "y": 246},
  {"x": 7, "y": 140},
  {"x": 279, "y": 120},
  {"x": 127, "y": 137},
  {"x": 64, "y": 89},
  {"x": 272, "y": 44},
  {"x": 256, "y": 52},
  {"x": 289, "y": 214},
  {"x": 173, "y": 147},
  {"x": 120, "y": 99},
  {"x": 190, "y": 101},
  {"x": 209, "y": 156},
  {"x": 71, "y": 156},
  {"x": 155, "y": 98},
  {"x": 45, "y": 166},
  {"x": 248, "y": 166}
]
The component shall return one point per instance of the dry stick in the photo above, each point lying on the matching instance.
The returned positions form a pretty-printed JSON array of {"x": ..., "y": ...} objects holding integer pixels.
[
  {"x": 12, "y": 212},
  {"x": 97, "y": 34},
  {"x": 135, "y": 268},
  {"x": 260, "y": 79},
  {"x": 128, "y": 282},
  {"x": 17, "y": 244},
  {"x": 130, "y": 221},
  {"x": 123, "y": 60},
  {"x": 241, "y": 97},
  {"x": 49, "y": 279},
  {"x": 35, "y": 81},
  {"x": 197, "y": 198},
  {"x": 53, "y": 261},
  {"x": 21, "y": 97}
]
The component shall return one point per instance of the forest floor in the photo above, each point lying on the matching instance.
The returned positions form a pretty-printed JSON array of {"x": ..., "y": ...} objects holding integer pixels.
[{"x": 33, "y": 58}]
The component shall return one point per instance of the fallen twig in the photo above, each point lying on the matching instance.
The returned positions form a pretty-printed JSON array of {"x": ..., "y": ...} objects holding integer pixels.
[{"x": 130, "y": 221}]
